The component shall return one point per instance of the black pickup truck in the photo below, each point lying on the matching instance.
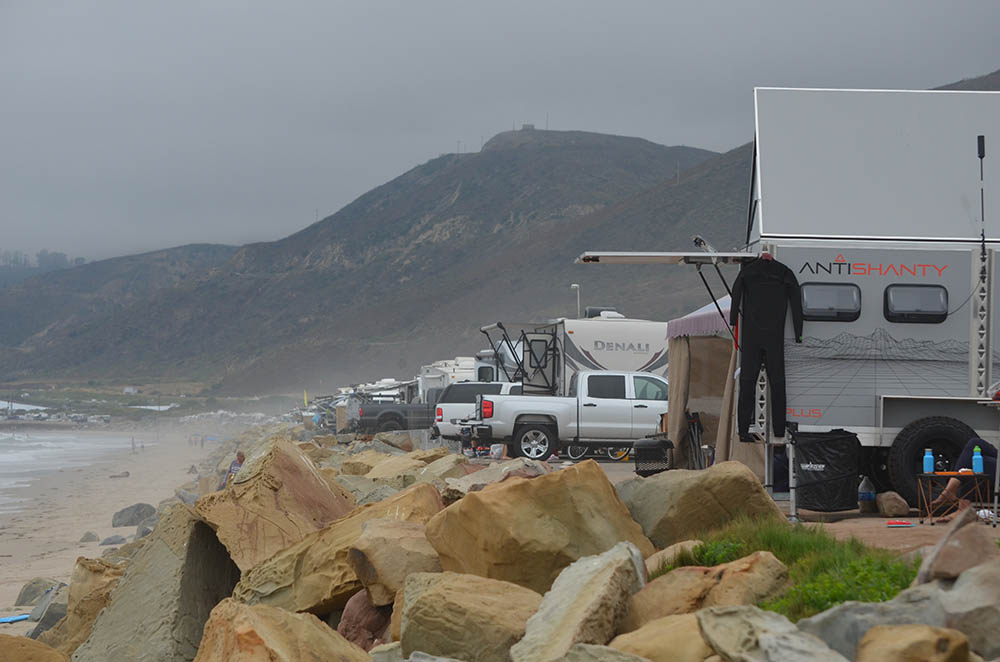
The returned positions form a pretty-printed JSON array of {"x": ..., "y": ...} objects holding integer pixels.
[{"x": 389, "y": 416}]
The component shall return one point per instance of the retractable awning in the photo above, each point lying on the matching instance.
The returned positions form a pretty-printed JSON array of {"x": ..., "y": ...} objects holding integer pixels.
[{"x": 628, "y": 257}]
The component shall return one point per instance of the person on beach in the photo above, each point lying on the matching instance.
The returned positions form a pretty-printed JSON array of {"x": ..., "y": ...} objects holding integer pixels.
[
  {"x": 234, "y": 469},
  {"x": 989, "y": 452}
]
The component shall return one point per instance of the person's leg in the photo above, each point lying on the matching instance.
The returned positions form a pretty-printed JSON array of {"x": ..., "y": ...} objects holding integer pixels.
[
  {"x": 774, "y": 358},
  {"x": 950, "y": 492}
]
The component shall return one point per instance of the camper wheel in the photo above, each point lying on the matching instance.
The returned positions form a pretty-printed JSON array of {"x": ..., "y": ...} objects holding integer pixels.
[
  {"x": 945, "y": 436},
  {"x": 536, "y": 442}
]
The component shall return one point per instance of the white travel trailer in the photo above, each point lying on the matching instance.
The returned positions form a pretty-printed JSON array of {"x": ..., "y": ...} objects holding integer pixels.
[
  {"x": 886, "y": 209},
  {"x": 440, "y": 374}
]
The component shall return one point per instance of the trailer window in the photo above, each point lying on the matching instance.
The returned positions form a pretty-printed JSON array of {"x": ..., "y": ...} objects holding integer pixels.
[
  {"x": 611, "y": 387},
  {"x": 649, "y": 388},
  {"x": 467, "y": 392},
  {"x": 831, "y": 302},
  {"x": 485, "y": 374},
  {"x": 916, "y": 304}
]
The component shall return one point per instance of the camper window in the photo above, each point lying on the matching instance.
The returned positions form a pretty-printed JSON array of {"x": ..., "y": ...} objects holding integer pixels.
[
  {"x": 916, "y": 304},
  {"x": 485, "y": 374},
  {"x": 649, "y": 388},
  {"x": 611, "y": 387},
  {"x": 831, "y": 302}
]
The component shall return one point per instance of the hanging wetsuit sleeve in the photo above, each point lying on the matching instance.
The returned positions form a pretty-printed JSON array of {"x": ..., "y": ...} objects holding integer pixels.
[
  {"x": 794, "y": 294},
  {"x": 735, "y": 299}
]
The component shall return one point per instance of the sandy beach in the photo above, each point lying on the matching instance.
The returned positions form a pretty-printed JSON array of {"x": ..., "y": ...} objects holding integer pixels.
[{"x": 41, "y": 539}]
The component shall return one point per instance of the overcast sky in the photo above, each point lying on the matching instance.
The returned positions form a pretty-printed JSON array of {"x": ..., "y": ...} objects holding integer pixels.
[{"x": 130, "y": 126}]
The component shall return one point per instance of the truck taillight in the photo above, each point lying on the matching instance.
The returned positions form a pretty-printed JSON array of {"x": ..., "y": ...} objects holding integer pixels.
[
  {"x": 487, "y": 409},
  {"x": 439, "y": 415},
  {"x": 361, "y": 411}
]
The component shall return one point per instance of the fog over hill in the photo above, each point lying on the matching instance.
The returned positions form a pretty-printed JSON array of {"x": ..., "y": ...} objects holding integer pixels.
[{"x": 402, "y": 276}]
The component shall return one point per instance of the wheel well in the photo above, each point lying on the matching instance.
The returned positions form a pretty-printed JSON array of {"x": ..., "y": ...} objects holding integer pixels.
[{"x": 537, "y": 419}]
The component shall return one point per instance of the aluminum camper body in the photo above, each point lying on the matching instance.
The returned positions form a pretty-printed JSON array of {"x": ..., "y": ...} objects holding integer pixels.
[
  {"x": 607, "y": 342},
  {"x": 881, "y": 203}
]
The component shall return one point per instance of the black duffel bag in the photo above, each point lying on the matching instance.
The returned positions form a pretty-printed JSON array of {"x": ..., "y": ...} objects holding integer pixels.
[{"x": 827, "y": 470}]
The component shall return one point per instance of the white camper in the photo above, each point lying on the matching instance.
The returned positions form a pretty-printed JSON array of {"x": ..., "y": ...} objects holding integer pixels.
[
  {"x": 438, "y": 375},
  {"x": 884, "y": 206}
]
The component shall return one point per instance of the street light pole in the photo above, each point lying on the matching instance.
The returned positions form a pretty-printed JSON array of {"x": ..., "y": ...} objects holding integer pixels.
[{"x": 576, "y": 287}]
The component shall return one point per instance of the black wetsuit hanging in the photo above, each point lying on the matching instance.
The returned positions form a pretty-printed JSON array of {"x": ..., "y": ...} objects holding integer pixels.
[{"x": 762, "y": 292}]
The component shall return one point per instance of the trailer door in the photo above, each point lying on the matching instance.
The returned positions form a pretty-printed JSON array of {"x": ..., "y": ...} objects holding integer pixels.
[{"x": 605, "y": 410}]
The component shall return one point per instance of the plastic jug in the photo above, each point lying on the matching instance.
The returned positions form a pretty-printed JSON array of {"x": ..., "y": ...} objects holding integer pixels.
[
  {"x": 866, "y": 496},
  {"x": 928, "y": 461},
  {"x": 977, "y": 460}
]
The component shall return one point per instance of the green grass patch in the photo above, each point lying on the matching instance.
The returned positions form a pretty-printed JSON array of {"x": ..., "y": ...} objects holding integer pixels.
[{"x": 824, "y": 571}]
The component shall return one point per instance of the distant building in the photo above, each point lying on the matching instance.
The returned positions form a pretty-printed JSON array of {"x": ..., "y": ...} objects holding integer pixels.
[
  {"x": 130, "y": 390},
  {"x": 527, "y": 127}
]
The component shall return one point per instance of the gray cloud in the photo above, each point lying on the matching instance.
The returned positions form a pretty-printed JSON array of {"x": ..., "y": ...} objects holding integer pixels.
[{"x": 129, "y": 126}]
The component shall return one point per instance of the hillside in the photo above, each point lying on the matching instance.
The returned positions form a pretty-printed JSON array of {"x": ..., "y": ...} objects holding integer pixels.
[{"x": 341, "y": 291}]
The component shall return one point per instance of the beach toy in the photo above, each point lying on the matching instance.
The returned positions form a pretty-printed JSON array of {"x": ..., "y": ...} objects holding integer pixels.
[
  {"x": 898, "y": 524},
  {"x": 15, "y": 619}
]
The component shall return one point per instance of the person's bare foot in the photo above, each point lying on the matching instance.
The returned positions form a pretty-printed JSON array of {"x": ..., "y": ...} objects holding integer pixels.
[{"x": 945, "y": 498}]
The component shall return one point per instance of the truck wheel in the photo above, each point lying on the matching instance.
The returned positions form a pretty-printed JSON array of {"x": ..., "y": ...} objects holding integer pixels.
[
  {"x": 576, "y": 452},
  {"x": 536, "y": 442},
  {"x": 618, "y": 453},
  {"x": 945, "y": 436},
  {"x": 390, "y": 425}
]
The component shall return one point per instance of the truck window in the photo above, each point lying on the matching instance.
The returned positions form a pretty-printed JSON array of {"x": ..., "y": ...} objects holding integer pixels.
[
  {"x": 572, "y": 386},
  {"x": 467, "y": 392},
  {"x": 916, "y": 304},
  {"x": 831, "y": 302},
  {"x": 515, "y": 390},
  {"x": 610, "y": 387},
  {"x": 649, "y": 388}
]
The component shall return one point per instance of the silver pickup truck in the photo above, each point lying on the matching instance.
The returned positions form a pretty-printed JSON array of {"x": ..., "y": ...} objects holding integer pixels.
[{"x": 603, "y": 408}]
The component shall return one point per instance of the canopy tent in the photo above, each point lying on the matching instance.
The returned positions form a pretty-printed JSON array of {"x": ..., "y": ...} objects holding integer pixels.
[{"x": 702, "y": 379}]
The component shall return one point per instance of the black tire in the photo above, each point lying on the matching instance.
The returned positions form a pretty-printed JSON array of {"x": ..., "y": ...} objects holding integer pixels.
[
  {"x": 576, "y": 452},
  {"x": 390, "y": 425},
  {"x": 945, "y": 437},
  {"x": 535, "y": 442}
]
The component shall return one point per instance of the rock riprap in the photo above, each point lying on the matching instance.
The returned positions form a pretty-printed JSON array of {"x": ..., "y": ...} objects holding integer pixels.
[
  {"x": 889, "y": 643},
  {"x": 132, "y": 515},
  {"x": 22, "y": 649},
  {"x": 161, "y": 603},
  {"x": 276, "y": 502},
  {"x": 386, "y": 553},
  {"x": 464, "y": 616},
  {"x": 749, "y": 633},
  {"x": 34, "y": 589},
  {"x": 314, "y": 574},
  {"x": 494, "y": 473},
  {"x": 237, "y": 632},
  {"x": 398, "y": 472},
  {"x": 674, "y": 506},
  {"x": 585, "y": 605},
  {"x": 527, "y": 530},
  {"x": 687, "y": 589},
  {"x": 363, "y": 623},
  {"x": 90, "y": 588},
  {"x": 669, "y": 639}
]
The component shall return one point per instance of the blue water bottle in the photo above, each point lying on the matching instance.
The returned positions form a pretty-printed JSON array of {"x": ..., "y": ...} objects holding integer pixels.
[
  {"x": 928, "y": 461},
  {"x": 977, "y": 460}
]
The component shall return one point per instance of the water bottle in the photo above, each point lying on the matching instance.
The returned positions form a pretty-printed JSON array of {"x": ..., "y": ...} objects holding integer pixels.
[
  {"x": 866, "y": 496},
  {"x": 977, "y": 460},
  {"x": 928, "y": 461}
]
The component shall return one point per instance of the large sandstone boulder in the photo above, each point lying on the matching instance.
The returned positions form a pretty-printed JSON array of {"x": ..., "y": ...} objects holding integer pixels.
[
  {"x": 585, "y": 605},
  {"x": 132, "y": 515},
  {"x": 362, "y": 463},
  {"x": 961, "y": 547},
  {"x": 749, "y": 633},
  {"x": 687, "y": 589},
  {"x": 677, "y": 505},
  {"x": 903, "y": 643},
  {"x": 363, "y": 623},
  {"x": 314, "y": 573},
  {"x": 428, "y": 455},
  {"x": 51, "y": 609},
  {"x": 240, "y": 633},
  {"x": 400, "y": 440},
  {"x": 667, "y": 557},
  {"x": 274, "y": 504},
  {"x": 669, "y": 639},
  {"x": 594, "y": 653},
  {"x": 526, "y": 531},
  {"x": 90, "y": 588},
  {"x": 33, "y": 590},
  {"x": 22, "y": 649},
  {"x": 161, "y": 603},
  {"x": 386, "y": 553},
  {"x": 398, "y": 472},
  {"x": 494, "y": 473},
  {"x": 464, "y": 616},
  {"x": 449, "y": 466}
]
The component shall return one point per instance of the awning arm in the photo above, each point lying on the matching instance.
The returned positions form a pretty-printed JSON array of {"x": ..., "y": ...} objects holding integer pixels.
[{"x": 629, "y": 257}]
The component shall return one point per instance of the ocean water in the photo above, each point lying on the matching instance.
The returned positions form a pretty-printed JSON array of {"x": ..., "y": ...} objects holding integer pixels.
[{"x": 26, "y": 456}]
